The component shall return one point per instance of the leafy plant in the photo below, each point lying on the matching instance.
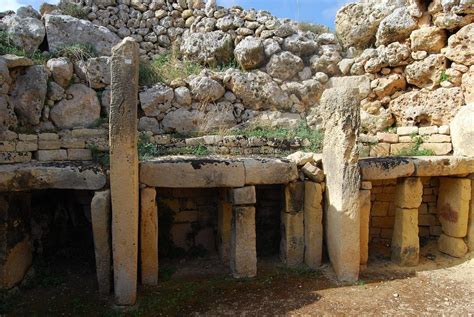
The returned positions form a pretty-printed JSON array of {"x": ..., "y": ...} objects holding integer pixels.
[
  {"x": 200, "y": 150},
  {"x": 146, "y": 148},
  {"x": 443, "y": 76},
  {"x": 76, "y": 52},
  {"x": 415, "y": 149}
]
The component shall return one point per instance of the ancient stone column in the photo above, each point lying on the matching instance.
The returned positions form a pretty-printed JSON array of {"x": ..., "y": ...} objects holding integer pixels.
[
  {"x": 292, "y": 225},
  {"x": 124, "y": 169},
  {"x": 340, "y": 107},
  {"x": 405, "y": 241},
  {"x": 100, "y": 215},
  {"x": 149, "y": 236},
  {"x": 313, "y": 224},
  {"x": 365, "y": 204},
  {"x": 470, "y": 228},
  {"x": 224, "y": 225},
  {"x": 243, "y": 248}
]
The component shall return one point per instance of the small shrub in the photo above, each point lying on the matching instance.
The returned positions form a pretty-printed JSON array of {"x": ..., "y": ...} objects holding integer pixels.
[
  {"x": 415, "y": 149},
  {"x": 146, "y": 149},
  {"x": 99, "y": 157},
  {"x": 443, "y": 77},
  {"x": 312, "y": 27},
  {"x": 73, "y": 10},
  {"x": 76, "y": 52}
]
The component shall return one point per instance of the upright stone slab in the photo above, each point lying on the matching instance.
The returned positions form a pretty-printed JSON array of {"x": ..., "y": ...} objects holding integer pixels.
[
  {"x": 224, "y": 225},
  {"x": 243, "y": 251},
  {"x": 453, "y": 205},
  {"x": 365, "y": 204},
  {"x": 292, "y": 242},
  {"x": 149, "y": 236},
  {"x": 470, "y": 229},
  {"x": 409, "y": 193},
  {"x": 405, "y": 241},
  {"x": 100, "y": 215},
  {"x": 124, "y": 169},
  {"x": 313, "y": 224},
  {"x": 340, "y": 107}
]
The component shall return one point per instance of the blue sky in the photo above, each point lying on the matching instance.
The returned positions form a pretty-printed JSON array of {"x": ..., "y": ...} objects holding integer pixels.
[{"x": 317, "y": 11}]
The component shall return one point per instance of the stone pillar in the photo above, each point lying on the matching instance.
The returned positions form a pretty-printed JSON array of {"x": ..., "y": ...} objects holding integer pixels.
[
  {"x": 292, "y": 225},
  {"x": 365, "y": 204},
  {"x": 124, "y": 169},
  {"x": 149, "y": 236},
  {"x": 100, "y": 215},
  {"x": 313, "y": 224},
  {"x": 453, "y": 211},
  {"x": 224, "y": 225},
  {"x": 243, "y": 248},
  {"x": 470, "y": 228},
  {"x": 405, "y": 241},
  {"x": 340, "y": 107}
]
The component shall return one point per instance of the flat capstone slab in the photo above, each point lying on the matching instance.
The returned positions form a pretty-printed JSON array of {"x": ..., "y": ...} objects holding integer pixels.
[
  {"x": 216, "y": 171},
  {"x": 51, "y": 175},
  {"x": 398, "y": 167}
]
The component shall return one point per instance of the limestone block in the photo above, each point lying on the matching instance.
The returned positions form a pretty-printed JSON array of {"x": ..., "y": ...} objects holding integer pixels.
[
  {"x": 462, "y": 131},
  {"x": 294, "y": 197},
  {"x": 292, "y": 238},
  {"x": 313, "y": 172},
  {"x": 409, "y": 193},
  {"x": 124, "y": 169},
  {"x": 243, "y": 250},
  {"x": 453, "y": 205},
  {"x": 437, "y": 148},
  {"x": 455, "y": 247},
  {"x": 149, "y": 236},
  {"x": 365, "y": 204},
  {"x": 100, "y": 215},
  {"x": 51, "y": 155},
  {"x": 26, "y": 146},
  {"x": 49, "y": 144},
  {"x": 470, "y": 229},
  {"x": 79, "y": 154},
  {"x": 224, "y": 226},
  {"x": 313, "y": 224},
  {"x": 269, "y": 171},
  {"x": 243, "y": 196},
  {"x": 405, "y": 241},
  {"x": 386, "y": 168}
]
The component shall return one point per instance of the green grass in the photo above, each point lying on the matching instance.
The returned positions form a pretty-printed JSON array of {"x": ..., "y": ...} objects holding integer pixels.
[
  {"x": 146, "y": 148},
  {"x": 443, "y": 77},
  {"x": 415, "y": 149},
  {"x": 8, "y": 47},
  {"x": 76, "y": 52}
]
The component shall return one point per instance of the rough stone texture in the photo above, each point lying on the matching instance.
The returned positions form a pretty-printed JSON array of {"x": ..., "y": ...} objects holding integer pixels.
[
  {"x": 427, "y": 107},
  {"x": 426, "y": 73},
  {"x": 243, "y": 247},
  {"x": 64, "y": 30},
  {"x": 156, "y": 99},
  {"x": 284, "y": 65},
  {"x": 148, "y": 236},
  {"x": 461, "y": 46},
  {"x": 453, "y": 205},
  {"x": 386, "y": 168},
  {"x": 61, "y": 69},
  {"x": 365, "y": 205},
  {"x": 82, "y": 110},
  {"x": 294, "y": 197},
  {"x": 124, "y": 169},
  {"x": 37, "y": 176},
  {"x": 95, "y": 71},
  {"x": 250, "y": 53},
  {"x": 243, "y": 196},
  {"x": 462, "y": 131},
  {"x": 269, "y": 171},
  {"x": 405, "y": 241},
  {"x": 206, "y": 89},
  {"x": 313, "y": 224},
  {"x": 340, "y": 161},
  {"x": 470, "y": 229},
  {"x": 455, "y": 247},
  {"x": 429, "y": 39},
  {"x": 25, "y": 32},
  {"x": 443, "y": 166},
  {"x": 409, "y": 193},
  {"x": 29, "y": 93},
  {"x": 468, "y": 85},
  {"x": 210, "y": 48},
  {"x": 313, "y": 172},
  {"x": 396, "y": 27},
  {"x": 301, "y": 45},
  {"x": 100, "y": 215},
  {"x": 292, "y": 243},
  {"x": 224, "y": 225},
  {"x": 8, "y": 118}
]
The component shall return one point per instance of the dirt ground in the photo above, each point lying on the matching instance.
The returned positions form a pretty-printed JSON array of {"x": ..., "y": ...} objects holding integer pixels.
[{"x": 440, "y": 285}]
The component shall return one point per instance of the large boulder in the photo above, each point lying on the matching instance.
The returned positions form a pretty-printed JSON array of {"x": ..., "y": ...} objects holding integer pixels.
[
  {"x": 82, "y": 110},
  {"x": 95, "y": 71},
  {"x": 258, "y": 91},
  {"x": 461, "y": 46},
  {"x": 61, "y": 69},
  {"x": 396, "y": 27},
  {"x": 462, "y": 131},
  {"x": 64, "y": 30},
  {"x": 211, "y": 48},
  {"x": 250, "y": 53},
  {"x": 156, "y": 100},
  {"x": 182, "y": 121},
  {"x": 29, "y": 93},
  {"x": 206, "y": 89},
  {"x": 284, "y": 65},
  {"x": 423, "y": 107},
  {"x": 429, "y": 39},
  {"x": 426, "y": 73},
  {"x": 7, "y": 115},
  {"x": 301, "y": 45},
  {"x": 25, "y": 32},
  {"x": 5, "y": 78}
]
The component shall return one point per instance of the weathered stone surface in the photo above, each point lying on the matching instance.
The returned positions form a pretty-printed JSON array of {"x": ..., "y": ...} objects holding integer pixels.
[
  {"x": 426, "y": 73},
  {"x": 405, "y": 241},
  {"x": 269, "y": 171},
  {"x": 468, "y": 85},
  {"x": 284, "y": 65},
  {"x": 183, "y": 121},
  {"x": 427, "y": 107},
  {"x": 350, "y": 82},
  {"x": 386, "y": 168},
  {"x": 470, "y": 228},
  {"x": 224, "y": 225},
  {"x": 294, "y": 197},
  {"x": 453, "y": 205},
  {"x": 313, "y": 224},
  {"x": 148, "y": 236},
  {"x": 250, "y": 53},
  {"x": 14, "y": 61},
  {"x": 36, "y": 176},
  {"x": 8, "y": 117},
  {"x": 443, "y": 166},
  {"x": 365, "y": 205},
  {"x": 243, "y": 195},
  {"x": 61, "y": 69},
  {"x": 183, "y": 96},
  {"x": 313, "y": 172},
  {"x": 243, "y": 247},
  {"x": 100, "y": 215},
  {"x": 386, "y": 86},
  {"x": 210, "y": 48},
  {"x": 95, "y": 71},
  {"x": 409, "y": 193},
  {"x": 124, "y": 169},
  {"x": 25, "y": 32},
  {"x": 156, "y": 100},
  {"x": 301, "y": 45},
  {"x": 455, "y": 247},
  {"x": 462, "y": 131},
  {"x": 340, "y": 161},
  {"x": 29, "y": 93},
  {"x": 429, "y": 39},
  {"x": 50, "y": 155},
  {"x": 292, "y": 238},
  {"x": 396, "y": 27},
  {"x": 206, "y": 89},
  {"x": 82, "y": 110},
  {"x": 461, "y": 46},
  {"x": 64, "y": 30}
]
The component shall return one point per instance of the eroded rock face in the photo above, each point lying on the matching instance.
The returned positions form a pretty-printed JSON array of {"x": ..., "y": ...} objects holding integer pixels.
[
  {"x": 468, "y": 85},
  {"x": 427, "y": 107},
  {"x": 156, "y": 99},
  {"x": 284, "y": 65},
  {"x": 61, "y": 69},
  {"x": 301, "y": 45},
  {"x": 7, "y": 115},
  {"x": 426, "y": 73},
  {"x": 211, "y": 48},
  {"x": 461, "y": 46},
  {"x": 63, "y": 30},
  {"x": 462, "y": 131},
  {"x": 396, "y": 27},
  {"x": 29, "y": 93},
  {"x": 82, "y": 110},
  {"x": 182, "y": 121},
  {"x": 25, "y": 32},
  {"x": 95, "y": 71},
  {"x": 206, "y": 89},
  {"x": 250, "y": 53},
  {"x": 428, "y": 39}
]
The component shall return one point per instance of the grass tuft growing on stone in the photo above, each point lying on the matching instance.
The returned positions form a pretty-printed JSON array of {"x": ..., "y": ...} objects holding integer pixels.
[
  {"x": 146, "y": 149},
  {"x": 99, "y": 157},
  {"x": 76, "y": 52},
  {"x": 8, "y": 47},
  {"x": 73, "y": 10},
  {"x": 415, "y": 149}
]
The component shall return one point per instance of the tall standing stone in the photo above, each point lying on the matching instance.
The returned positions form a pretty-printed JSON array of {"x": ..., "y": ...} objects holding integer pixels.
[
  {"x": 340, "y": 107},
  {"x": 365, "y": 204},
  {"x": 453, "y": 205},
  {"x": 313, "y": 224},
  {"x": 470, "y": 229},
  {"x": 243, "y": 250},
  {"x": 100, "y": 214},
  {"x": 224, "y": 225},
  {"x": 149, "y": 236},
  {"x": 124, "y": 169}
]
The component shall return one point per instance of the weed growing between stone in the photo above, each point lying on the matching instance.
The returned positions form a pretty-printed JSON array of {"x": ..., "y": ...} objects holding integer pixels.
[
  {"x": 76, "y": 52},
  {"x": 99, "y": 157},
  {"x": 415, "y": 149},
  {"x": 8, "y": 47},
  {"x": 73, "y": 10}
]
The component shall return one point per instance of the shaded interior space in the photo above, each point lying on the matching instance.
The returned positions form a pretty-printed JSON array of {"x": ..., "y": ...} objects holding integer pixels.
[{"x": 267, "y": 220}]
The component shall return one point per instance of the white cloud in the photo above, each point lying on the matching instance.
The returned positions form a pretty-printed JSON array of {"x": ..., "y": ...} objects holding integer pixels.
[{"x": 10, "y": 5}]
